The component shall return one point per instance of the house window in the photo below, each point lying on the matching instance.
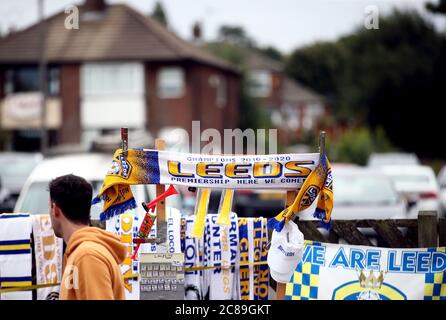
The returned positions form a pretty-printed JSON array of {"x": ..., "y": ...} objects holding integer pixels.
[
  {"x": 99, "y": 79},
  {"x": 221, "y": 94},
  {"x": 53, "y": 82},
  {"x": 22, "y": 79},
  {"x": 112, "y": 96},
  {"x": 9, "y": 82},
  {"x": 27, "y": 79},
  {"x": 170, "y": 82},
  {"x": 259, "y": 82}
]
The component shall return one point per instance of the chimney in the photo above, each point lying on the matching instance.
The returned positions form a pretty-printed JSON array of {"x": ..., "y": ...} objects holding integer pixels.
[
  {"x": 95, "y": 5},
  {"x": 93, "y": 10},
  {"x": 196, "y": 33}
]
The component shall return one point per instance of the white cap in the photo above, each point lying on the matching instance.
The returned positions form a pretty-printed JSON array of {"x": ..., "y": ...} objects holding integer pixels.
[{"x": 286, "y": 252}]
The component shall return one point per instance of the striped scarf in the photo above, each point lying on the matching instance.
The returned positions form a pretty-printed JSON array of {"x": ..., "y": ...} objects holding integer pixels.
[
  {"x": 15, "y": 254},
  {"x": 255, "y": 276},
  {"x": 318, "y": 183}
]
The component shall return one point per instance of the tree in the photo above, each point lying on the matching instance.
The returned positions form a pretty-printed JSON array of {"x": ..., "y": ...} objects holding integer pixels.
[
  {"x": 390, "y": 78},
  {"x": 272, "y": 53},
  {"x": 229, "y": 52},
  {"x": 439, "y": 8},
  {"x": 318, "y": 66},
  {"x": 235, "y": 35},
  {"x": 396, "y": 73},
  {"x": 357, "y": 144},
  {"x": 159, "y": 14}
]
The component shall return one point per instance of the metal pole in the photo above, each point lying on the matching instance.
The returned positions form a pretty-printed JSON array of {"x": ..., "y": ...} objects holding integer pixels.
[{"x": 43, "y": 78}]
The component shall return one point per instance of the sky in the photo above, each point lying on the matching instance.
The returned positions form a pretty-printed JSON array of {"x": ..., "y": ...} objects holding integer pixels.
[{"x": 284, "y": 24}]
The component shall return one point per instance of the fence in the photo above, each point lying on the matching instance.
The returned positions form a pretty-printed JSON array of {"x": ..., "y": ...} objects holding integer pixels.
[{"x": 426, "y": 231}]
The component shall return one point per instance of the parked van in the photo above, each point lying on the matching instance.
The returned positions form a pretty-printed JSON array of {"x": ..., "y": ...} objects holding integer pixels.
[{"x": 34, "y": 197}]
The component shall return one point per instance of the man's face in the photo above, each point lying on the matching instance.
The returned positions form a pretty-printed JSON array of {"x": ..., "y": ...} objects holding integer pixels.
[{"x": 55, "y": 216}]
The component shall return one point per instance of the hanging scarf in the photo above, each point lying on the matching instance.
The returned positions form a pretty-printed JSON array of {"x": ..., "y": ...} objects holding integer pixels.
[
  {"x": 318, "y": 183},
  {"x": 201, "y": 208},
  {"x": 48, "y": 256},
  {"x": 191, "y": 248},
  {"x": 141, "y": 166},
  {"x": 126, "y": 227},
  {"x": 15, "y": 255},
  {"x": 264, "y": 270},
  {"x": 244, "y": 258},
  {"x": 225, "y": 207},
  {"x": 223, "y": 254}
]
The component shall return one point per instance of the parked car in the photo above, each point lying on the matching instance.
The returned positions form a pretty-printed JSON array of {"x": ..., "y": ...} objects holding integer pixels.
[
  {"x": 255, "y": 203},
  {"x": 382, "y": 159},
  {"x": 362, "y": 193},
  {"x": 93, "y": 167},
  {"x": 15, "y": 167},
  {"x": 417, "y": 184}
]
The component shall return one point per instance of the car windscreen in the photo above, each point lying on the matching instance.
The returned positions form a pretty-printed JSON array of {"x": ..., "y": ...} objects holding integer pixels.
[
  {"x": 384, "y": 161},
  {"x": 415, "y": 182},
  {"x": 363, "y": 189},
  {"x": 37, "y": 197},
  {"x": 21, "y": 167}
]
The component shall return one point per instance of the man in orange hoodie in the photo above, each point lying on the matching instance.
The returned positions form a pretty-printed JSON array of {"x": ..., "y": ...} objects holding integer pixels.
[{"x": 92, "y": 255}]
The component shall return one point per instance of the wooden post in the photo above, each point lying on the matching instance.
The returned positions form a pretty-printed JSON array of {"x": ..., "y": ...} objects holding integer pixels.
[
  {"x": 427, "y": 229},
  {"x": 290, "y": 196},
  {"x": 280, "y": 288},
  {"x": 124, "y": 141},
  {"x": 160, "y": 188},
  {"x": 322, "y": 142}
]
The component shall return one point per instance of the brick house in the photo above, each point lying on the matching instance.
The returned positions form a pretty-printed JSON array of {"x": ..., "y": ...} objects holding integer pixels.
[
  {"x": 120, "y": 68},
  {"x": 294, "y": 107}
]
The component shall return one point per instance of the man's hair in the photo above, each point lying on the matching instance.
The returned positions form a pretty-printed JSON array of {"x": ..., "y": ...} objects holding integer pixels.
[{"x": 73, "y": 195}]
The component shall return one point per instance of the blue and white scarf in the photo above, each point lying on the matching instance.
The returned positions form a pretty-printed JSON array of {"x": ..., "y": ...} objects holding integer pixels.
[
  {"x": 244, "y": 258},
  {"x": 253, "y": 278},
  {"x": 223, "y": 250},
  {"x": 192, "y": 258},
  {"x": 15, "y": 255}
]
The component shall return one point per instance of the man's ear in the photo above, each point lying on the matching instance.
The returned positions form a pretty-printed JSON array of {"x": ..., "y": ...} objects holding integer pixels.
[{"x": 57, "y": 211}]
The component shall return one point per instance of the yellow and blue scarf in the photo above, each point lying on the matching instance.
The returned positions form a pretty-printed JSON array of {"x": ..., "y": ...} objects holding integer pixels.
[
  {"x": 138, "y": 167},
  {"x": 143, "y": 166},
  {"x": 319, "y": 182}
]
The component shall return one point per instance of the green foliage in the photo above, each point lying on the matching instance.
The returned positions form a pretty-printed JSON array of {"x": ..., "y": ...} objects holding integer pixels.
[
  {"x": 159, "y": 14},
  {"x": 252, "y": 113},
  {"x": 231, "y": 53},
  {"x": 440, "y": 7},
  {"x": 356, "y": 145},
  {"x": 235, "y": 35},
  {"x": 392, "y": 78},
  {"x": 318, "y": 65},
  {"x": 236, "y": 38},
  {"x": 271, "y": 52}
]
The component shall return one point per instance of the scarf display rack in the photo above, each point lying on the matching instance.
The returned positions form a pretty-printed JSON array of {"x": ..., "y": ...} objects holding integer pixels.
[
  {"x": 161, "y": 206},
  {"x": 290, "y": 195}
]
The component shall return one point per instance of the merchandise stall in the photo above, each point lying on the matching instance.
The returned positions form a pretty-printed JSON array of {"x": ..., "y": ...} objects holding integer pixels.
[
  {"x": 196, "y": 255},
  {"x": 221, "y": 256}
]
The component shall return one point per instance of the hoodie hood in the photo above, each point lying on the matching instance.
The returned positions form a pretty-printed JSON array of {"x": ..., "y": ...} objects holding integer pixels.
[{"x": 108, "y": 240}]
